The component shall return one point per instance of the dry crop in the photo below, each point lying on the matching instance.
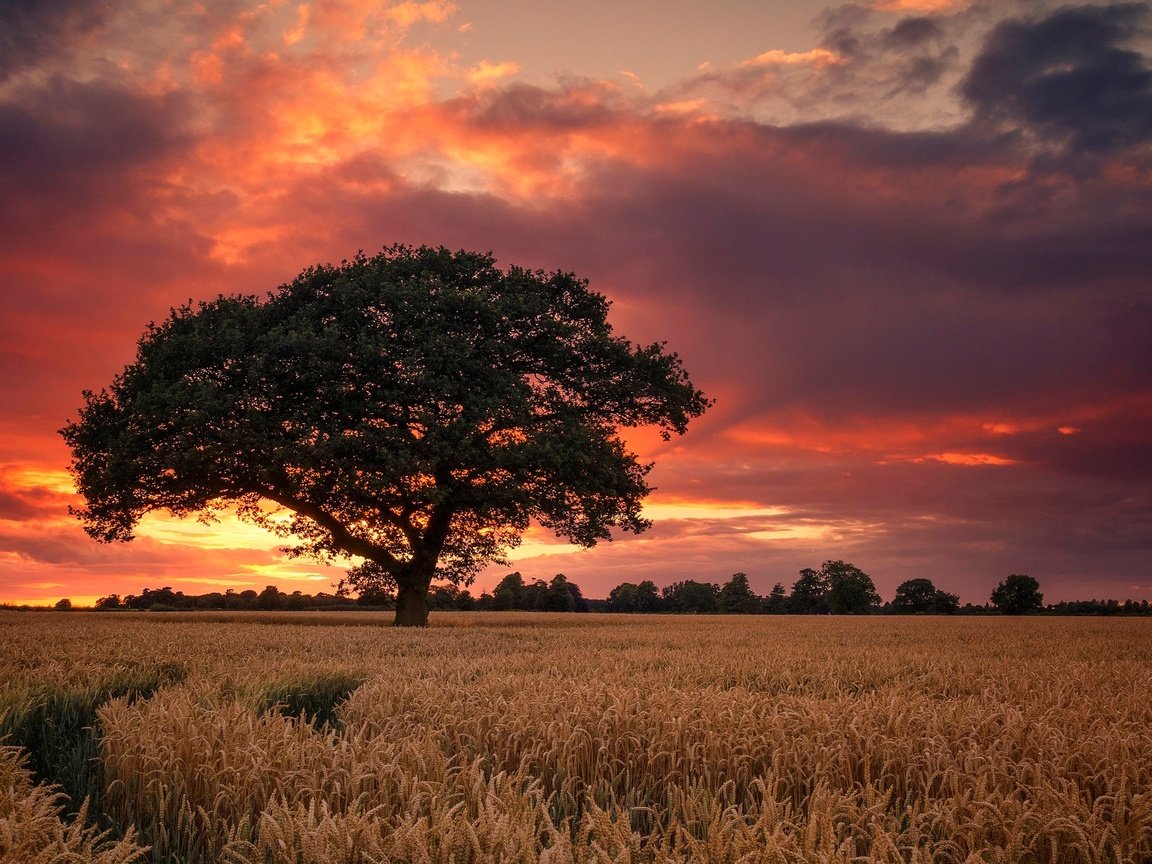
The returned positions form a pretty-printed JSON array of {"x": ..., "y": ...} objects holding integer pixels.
[{"x": 584, "y": 738}]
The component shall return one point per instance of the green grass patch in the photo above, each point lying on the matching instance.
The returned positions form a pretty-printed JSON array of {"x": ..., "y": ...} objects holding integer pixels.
[
  {"x": 314, "y": 699},
  {"x": 55, "y": 724}
]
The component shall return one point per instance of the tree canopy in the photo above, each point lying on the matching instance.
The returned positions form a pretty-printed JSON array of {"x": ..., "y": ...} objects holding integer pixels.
[
  {"x": 415, "y": 410},
  {"x": 1017, "y": 595},
  {"x": 920, "y": 596},
  {"x": 850, "y": 589}
]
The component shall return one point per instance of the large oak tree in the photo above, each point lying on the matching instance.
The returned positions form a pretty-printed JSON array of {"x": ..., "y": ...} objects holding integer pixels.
[{"x": 414, "y": 411}]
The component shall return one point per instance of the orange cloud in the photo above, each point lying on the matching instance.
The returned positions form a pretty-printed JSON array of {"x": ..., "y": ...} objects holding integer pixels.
[
  {"x": 969, "y": 459},
  {"x": 919, "y": 5},
  {"x": 776, "y": 57}
]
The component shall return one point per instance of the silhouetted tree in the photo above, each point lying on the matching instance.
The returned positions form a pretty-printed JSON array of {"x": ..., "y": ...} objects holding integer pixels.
[
  {"x": 944, "y": 603},
  {"x": 701, "y": 598},
  {"x": 507, "y": 594},
  {"x": 271, "y": 598},
  {"x": 776, "y": 602},
  {"x": 1017, "y": 595},
  {"x": 108, "y": 603},
  {"x": 850, "y": 589},
  {"x": 63, "y": 605},
  {"x": 809, "y": 593},
  {"x": 418, "y": 409},
  {"x": 737, "y": 596},
  {"x": 579, "y": 601},
  {"x": 451, "y": 597},
  {"x": 534, "y": 597},
  {"x": 559, "y": 597},
  {"x": 913, "y": 596},
  {"x": 624, "y": 598},
  {"x": 920, "y": 596},
  {"x": 377, "y": 596},
  {"x": 648, "y": 597}
]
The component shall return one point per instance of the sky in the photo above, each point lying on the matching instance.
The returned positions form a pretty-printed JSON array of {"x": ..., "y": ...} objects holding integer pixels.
[{"x": 906, "y": 245}]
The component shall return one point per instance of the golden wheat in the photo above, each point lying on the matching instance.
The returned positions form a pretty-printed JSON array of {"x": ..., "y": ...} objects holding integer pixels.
[
  {"x": 33, "y": 832},
  {"x": 613, "y": 738}
]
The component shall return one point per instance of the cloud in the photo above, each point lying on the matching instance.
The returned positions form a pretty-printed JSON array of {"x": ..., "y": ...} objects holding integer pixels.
[
  {"x": 31, "y": 30},
  {"x": 1072, "y": 79}
]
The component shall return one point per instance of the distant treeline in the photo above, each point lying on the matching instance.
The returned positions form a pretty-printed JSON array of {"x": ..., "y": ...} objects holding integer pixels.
[{"x": 837, "y": 588}]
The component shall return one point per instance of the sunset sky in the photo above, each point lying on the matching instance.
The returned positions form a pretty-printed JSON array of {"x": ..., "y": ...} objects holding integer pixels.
[{"x": 905, "y": 244}]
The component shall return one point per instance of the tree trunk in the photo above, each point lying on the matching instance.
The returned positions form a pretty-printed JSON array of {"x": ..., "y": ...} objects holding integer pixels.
[{"x": 411, "y": 607}]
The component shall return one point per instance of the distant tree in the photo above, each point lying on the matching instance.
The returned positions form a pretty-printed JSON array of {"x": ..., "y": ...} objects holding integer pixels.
[
  {"x": 212, "y": 600},
  {"x": 648, "y": 596},
  {"x": 699, "y": 598},
  {"x": 624, "y": 598},
  {"x": 112, "y": 601},
  {"x": 776, "y": 602},
  {"x": 508, "y": 593},
  {"x": 737, "y": 596},
  {"x": 914, "y": 596},
  {"x": 809, "y": 593},
  {"x": 559, "y": 595},
  {"x": 534, "y": 597},
  {"x": 449, "y": 597},
  {"x": 630, "y": 597},
  {"x": 271, "y": 598},
  {"x": 920, "y": 596},
  {"x": 164, "y": 597},
  {"x": 944, "y": 603},
  {"x": 418, "y": 410},
  {"x": 850, "y": 589},
  {"x": 1018, "y": 594},
  {"x": 63, "y": 605},
  {"x": 379, "y": 596},
  {"x": 579, "y": 601}
]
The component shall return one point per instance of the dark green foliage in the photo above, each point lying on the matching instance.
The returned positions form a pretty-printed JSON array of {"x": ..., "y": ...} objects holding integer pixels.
[
  {"x": 809, "y": 593},
  {"x": 850, "y": 589},
  {"x": 1018, "y": 594},
  {"x": 271, "y": 598},
  {"x": 451, "y": 597},
  {"x": 418, "y": 410},
  {"x": 56, "y": 725},
  {"x": 314, "y": 700},
  {"x": 737, "y": 597},
  {"x": 776, "y": 602},
  {"x": 624, "y": 598},
  {"x": 914, "y": 596},
  {"x": 921, "y": 597},
  {"x": 698, "y": 598},
  {"x": 559, "y": 595},
  {"x": 509, "y": 593},
  {"x": 944, "y": 603}
]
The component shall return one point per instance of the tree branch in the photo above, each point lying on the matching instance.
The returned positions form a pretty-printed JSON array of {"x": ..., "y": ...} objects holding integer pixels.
[{"x": 341, "y": 536}]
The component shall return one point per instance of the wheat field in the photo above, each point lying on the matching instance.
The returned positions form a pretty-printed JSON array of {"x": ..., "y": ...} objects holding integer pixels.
[{"x": 307, "y": 738}]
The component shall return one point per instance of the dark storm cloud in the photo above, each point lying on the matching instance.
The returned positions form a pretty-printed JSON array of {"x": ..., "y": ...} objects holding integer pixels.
[
  {"x": 31, "y": 30},
  {"x": 83, "y": 130},
  {"x": 1070, "y": 78},
  {"x": 909, "y": 57},
  {"x": 21, "y": 505},
  {"x": 575, "y": 105}
]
